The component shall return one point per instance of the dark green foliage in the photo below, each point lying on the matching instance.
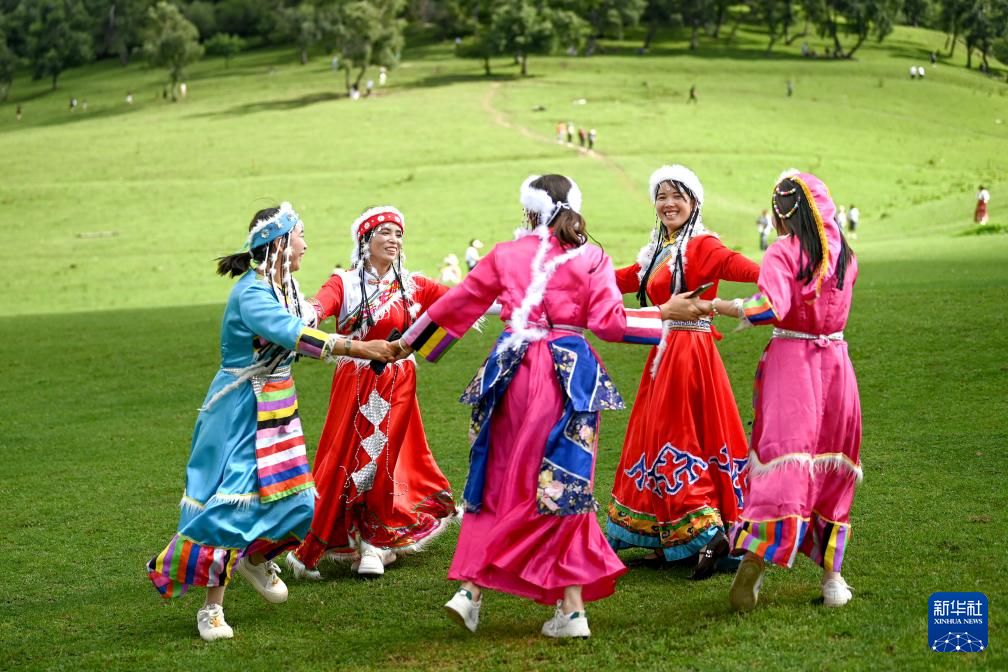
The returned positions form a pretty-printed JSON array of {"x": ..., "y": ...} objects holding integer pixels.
[
  {"x": 223, "y": 44},
  {"x": 172, "y": 42},
  {"x": 57, "y": 35}
]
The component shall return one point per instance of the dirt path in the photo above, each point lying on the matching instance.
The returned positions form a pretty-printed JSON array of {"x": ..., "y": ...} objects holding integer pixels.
[{"x": 501, "y": 119}]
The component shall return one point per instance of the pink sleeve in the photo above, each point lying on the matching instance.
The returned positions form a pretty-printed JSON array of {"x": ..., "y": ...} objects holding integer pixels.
[
  {"x": 609, "y": 319},
  {"x": 776, "y": 284},
  {"x": 450, "y": 316}
]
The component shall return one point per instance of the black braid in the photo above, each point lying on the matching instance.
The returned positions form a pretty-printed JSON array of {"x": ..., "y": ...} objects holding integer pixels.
[
  {"x": 678, "y": 282},
  {"x": 402, "y": 292}
]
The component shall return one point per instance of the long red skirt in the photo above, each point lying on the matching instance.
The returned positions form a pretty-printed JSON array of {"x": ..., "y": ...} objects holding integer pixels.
[
  {"x": 681, "y": 471},
  {"x": 375, "y": 475}
]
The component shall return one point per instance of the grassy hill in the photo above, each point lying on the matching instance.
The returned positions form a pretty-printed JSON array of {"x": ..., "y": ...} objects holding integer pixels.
[{"x": 109, "y": 333}]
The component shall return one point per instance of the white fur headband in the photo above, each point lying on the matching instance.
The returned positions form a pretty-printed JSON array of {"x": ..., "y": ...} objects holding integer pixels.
[
  {"x": 538, "y": 201},
  {"x": 371, "y": 212},
  {"x": 677, "y": 173}
]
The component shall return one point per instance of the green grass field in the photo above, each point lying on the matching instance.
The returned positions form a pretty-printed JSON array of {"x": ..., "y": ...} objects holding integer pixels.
[{"x": 111, "y": 318}]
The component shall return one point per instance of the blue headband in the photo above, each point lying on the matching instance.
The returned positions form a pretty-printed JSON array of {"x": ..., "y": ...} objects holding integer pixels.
[{"x": 267, "y": 230}]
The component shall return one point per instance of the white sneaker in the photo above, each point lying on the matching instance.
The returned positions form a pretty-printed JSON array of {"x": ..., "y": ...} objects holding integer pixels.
[
  {"x": 744, "y": 592},
  {"x": 461, "y": 609},
  {"x": 264, "y": 579},
  {"x": 299, "y": 570},
  {"x": 373, "y": 560},
  {"x": 836, "y": 592},
  {"x": 574, "y": 624},
  {"x": 211, "y": 623}
]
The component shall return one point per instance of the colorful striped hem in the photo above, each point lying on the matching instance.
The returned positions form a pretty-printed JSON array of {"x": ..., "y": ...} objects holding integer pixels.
[
  {"x": 644, "y": 326},
  {"x": 185, "y": 563},
  {"x": 281, "y": 458},
  {"x": 775, "y": 541},
  {"x": 311, "y": 342},
  {"x": 827, "y": 543},
  {"x": 758, "y": 310},
  {"x": 428, "y": 338}
]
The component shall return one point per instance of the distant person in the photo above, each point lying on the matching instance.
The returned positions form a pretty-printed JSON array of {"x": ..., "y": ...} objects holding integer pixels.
[
  {"x": 335, "y": 62},
  {"x": 980, "y": 214},
  {"x": 183, "y": 89},
  {"x": 934, "y": 58},
  {"x": 841, "y": 218},
  {"x": 561, "y": 131},
  {"x": 582, "y": 137},
  {"x": 920, "y": 72},
  {"x": 913, "y": 72},
  {"x": 369, "y": 87},
  {"x": 164, "y": 93},
  {"x": 853, "y": 217},
  {"x": 84, "y": 105},
  {"x": 692, "y": 95},
  {"x": 17, "y": 112},
  {"x": 790, "y": 88},
  {"x": 73, "y": 103},
  {"x": 570, "y": 132},
  {"x": 458, "y": 43},
  {"x": 472, "y": 255},
  {"x": 591, "y": 140},
  {"x": 451, "y": 272},
  {"x": 354, "y": 92},
  {"x": 805, "y": 49},
  {"x": 382, "y": 76},
  {"x": 129, "y": 97},
  {"x": 763, "y": 226}
]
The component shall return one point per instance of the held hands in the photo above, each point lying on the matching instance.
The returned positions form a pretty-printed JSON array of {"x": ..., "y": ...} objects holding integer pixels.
[
  {"x": 402, "y": 350},
  {"x": 681, "y": 307},
  {"x": 379, "y": 351}
]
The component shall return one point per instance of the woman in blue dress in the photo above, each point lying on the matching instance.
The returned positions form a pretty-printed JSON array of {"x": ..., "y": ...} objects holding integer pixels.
[{"x": 249, "y": 494}]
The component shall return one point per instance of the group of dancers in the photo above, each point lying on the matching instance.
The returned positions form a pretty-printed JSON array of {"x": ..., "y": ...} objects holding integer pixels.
[{"x": 689, "y": 487}]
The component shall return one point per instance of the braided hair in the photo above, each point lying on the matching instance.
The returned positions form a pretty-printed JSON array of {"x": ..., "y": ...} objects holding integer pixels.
[
  {"x": 677, "y": 284},
  {"x": 367, "y": 319},
  {"x": 793, "y": 214}
]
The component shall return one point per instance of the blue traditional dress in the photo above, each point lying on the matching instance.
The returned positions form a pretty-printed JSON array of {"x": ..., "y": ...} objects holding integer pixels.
[{"x": 248, "y": 483}]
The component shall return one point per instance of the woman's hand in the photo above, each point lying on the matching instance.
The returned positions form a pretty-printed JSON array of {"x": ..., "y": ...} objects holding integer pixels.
[
  {"x": 681, "y": 307},
  {"x": 402, "y": 349},
  {"x": 379, "y": 351}
]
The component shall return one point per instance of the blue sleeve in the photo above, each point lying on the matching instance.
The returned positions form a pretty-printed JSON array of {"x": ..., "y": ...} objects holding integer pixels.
[{"x": 264, "y": 316}]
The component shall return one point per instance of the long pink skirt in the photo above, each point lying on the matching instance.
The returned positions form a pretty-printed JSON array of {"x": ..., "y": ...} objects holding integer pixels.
[{"x": 508, "y": 546}]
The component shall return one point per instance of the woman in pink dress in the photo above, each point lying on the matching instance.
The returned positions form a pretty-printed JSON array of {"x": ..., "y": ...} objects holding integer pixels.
[
  {"x": 806, "y": 442},
  {"x": 530, "y": 527}
]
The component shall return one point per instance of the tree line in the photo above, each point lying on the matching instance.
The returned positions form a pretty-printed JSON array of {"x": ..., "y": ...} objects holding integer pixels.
[{"x": 48, "y": 36}]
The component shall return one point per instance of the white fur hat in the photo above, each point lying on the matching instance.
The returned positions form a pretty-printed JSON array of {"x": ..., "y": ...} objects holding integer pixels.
[
  {"x": 538, "y": 201},
  {"x": 678, "y": 173}
]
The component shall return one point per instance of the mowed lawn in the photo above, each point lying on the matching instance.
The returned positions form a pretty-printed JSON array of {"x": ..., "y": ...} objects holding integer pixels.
[{"x": 111, "y": 319}]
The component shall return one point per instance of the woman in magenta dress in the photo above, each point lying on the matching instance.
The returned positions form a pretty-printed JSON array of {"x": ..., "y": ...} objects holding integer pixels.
[
  {"x": 805, "y": 457},
  {"x": 381, "y": 493},
  {"x": 530, "y": 527},
  {"x": 679, "y": 480}
]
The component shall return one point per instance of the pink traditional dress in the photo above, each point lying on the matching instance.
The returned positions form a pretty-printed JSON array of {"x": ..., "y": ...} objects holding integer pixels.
[
  {"x": 530, "y": 527},
  {"x": 806, "y": 440}
]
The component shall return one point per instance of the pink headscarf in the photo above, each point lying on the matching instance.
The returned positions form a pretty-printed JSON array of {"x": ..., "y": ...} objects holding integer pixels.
[{"x": 823, "y": 210}]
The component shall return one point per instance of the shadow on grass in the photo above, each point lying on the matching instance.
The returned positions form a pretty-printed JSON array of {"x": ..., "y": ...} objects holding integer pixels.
[{"x": 276, "y": 105}]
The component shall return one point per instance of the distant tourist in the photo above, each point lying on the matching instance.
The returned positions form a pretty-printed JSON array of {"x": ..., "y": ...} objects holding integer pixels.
[
  {"x": 472, "y": 255},
  {"x": 73, "y": 103},
  {"x": 790, "y": 88},
  {"x": 692, "y": 95},
  {"x": 841, "y": 218},
  {"x": 980, "y": 214},
  {"x": 570, "y": 132},
  {"x": 561, "y": 131},
  {"x": 853, "y": 217},
  {"x": 805, "y": 49},
  {"x": 129, "y": 97},
  {"x": 354, "y": 92},
  {"x": 164, "y": 92},
  {"x": 17, "y": 112},
  {"x": 920, "y": 72},
  {"x": 582, "y": 136},
  {"x": 934, "y": 58},
  {"x": 382, "y": 76},
  {"x": 913, "y": 72},
  {"x": 763, "y": 226},
  {"x": 451, "y": 272},
  {"x": 84, "y": 105},
  {"x": 591, "y": 140},
  {"x": 369, "y": 86},
  {"x": 335, "y": 62},
  {"x": 183, "y": 89}
]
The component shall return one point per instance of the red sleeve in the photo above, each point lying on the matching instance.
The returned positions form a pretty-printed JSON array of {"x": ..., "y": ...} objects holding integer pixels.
[
  {"x": 427, "y": 292},
  {"x": 722, "y": 263},
  {"x": 627, "y": 280},
  {"x": 329, "y": 298}
]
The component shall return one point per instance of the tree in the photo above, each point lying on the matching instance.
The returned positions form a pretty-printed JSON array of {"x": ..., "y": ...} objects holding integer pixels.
[
  {"x": 306, "y": 24},
  {"x": 609, "y": 18},
  {"x": 226, "y": 45},
  {"x": 523, "y": 27},
  {"x": 202, "y": 15},
  {"x": 172, "y": 42},
  {"x": 860, "y": 18},
  {"x": 984, "y": 23},
  {"x": 659, "y": 13},
  {"x": 366, "y": 33},
  {"x": 778, "y": 16},
  {"x": 57, "y": 36},
  {"x": 8, "y": 63},
  {"x": 951, "y": 17},
  {"x": 918, "y": 12}
]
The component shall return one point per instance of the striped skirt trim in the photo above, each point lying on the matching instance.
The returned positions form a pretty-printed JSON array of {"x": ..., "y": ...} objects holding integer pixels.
[{"x": 779, "y": 541}]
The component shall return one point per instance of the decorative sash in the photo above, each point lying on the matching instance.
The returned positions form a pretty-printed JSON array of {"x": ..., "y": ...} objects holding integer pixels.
[
  {"x": 564, "y": 485},
  {"x": 281, "y": 459},
  {"x": 379, "y": 303}
]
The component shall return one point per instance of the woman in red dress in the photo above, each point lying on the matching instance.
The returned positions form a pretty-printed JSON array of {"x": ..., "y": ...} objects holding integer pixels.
[
  {"x": 380, "y": 490},
  {"x": 679, "y": 481}
]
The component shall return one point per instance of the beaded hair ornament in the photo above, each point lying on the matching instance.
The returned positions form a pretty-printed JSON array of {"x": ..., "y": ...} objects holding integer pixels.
[{"x": 796, "y": 178}]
